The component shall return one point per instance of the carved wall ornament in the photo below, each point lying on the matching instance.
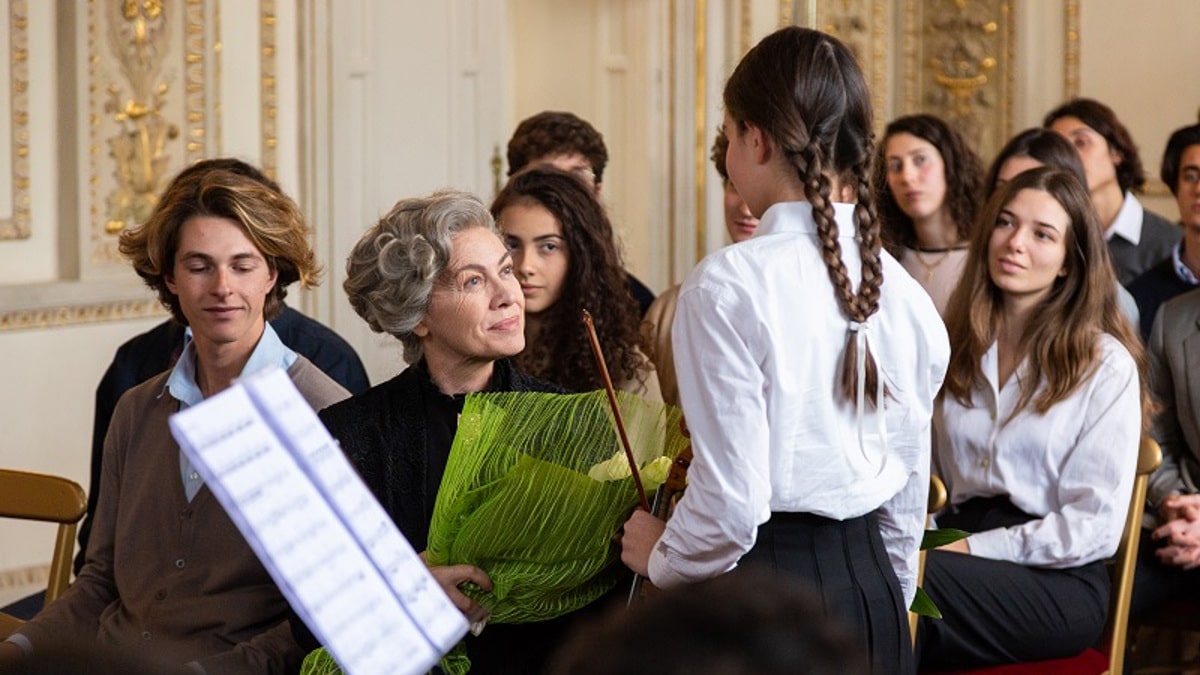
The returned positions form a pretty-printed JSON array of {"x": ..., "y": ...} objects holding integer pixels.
[
  {"x": 137, "y": 35},
  {"x": 151, "y": 87},
  {"x": 16, "y": 225},
  {"x": 960, "y": 55}
]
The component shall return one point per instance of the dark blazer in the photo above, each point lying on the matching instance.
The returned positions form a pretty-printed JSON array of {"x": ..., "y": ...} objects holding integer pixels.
[
  {"x": 1174, "y": 363},
  {"x": 1154, "y": 287},
  {"x": 1159, "y": 236}
]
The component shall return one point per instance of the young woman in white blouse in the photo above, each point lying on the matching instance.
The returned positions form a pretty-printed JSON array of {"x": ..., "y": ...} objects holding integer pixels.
[
  {"x": 808, "y": 362},
  {"x": 1036, "y": 433}
]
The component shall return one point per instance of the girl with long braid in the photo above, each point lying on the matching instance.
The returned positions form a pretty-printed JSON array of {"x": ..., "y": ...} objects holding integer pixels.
[{"x": 808, "y": 363}]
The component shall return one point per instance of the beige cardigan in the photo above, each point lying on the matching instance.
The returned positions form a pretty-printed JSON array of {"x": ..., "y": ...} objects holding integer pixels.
[{"x": 656, "y": 329}]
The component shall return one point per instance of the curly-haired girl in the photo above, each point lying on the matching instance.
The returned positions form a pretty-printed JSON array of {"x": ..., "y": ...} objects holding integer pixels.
[{"x": 567, "y": 261}]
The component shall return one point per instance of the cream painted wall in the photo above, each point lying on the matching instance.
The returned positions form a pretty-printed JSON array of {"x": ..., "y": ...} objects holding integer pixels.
[
  {"x": 1145, "y": 69},
  {"x": 49, "y": 384},
  {"x": 399, "y": 108},
  {"x": 605, "y": 61}
]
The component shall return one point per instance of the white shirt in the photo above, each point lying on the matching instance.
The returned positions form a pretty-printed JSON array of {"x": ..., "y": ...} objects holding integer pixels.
[
  {"x": 758, "y": 338},
  {"x": 1128, "y": 223},
  {"x": 1071, "y": 468}
]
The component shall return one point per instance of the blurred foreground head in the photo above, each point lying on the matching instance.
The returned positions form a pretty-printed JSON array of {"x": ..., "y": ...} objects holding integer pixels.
[{"x": 743, "y": 623}]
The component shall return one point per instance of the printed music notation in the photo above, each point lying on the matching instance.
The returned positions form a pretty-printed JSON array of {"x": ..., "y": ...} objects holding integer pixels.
[{"x": 331, "y": 548}]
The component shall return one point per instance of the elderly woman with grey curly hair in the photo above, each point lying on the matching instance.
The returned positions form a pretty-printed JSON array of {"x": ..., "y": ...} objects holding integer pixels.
[{"x": 434, "y": 274}]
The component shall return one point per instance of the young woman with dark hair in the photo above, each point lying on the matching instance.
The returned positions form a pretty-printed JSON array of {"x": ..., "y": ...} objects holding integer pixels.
[
  {"x": 1042, "y": 147},
  {"x": 929, "y": 185},
  {"x": 1036, "y": 433},
  {"x": 566, "y": 259},
  {"x": 808, "y": 362}
]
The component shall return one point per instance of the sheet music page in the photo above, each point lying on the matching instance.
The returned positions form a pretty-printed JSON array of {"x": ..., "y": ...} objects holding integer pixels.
[
  {"x": 309, "y": 551},
  {"x": 321, "y": 458}
]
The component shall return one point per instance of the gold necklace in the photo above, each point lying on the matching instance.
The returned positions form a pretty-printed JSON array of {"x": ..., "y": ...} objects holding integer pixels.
[
  {"x": 918, "y": 251},
  {"x": 930, "y": 267}
]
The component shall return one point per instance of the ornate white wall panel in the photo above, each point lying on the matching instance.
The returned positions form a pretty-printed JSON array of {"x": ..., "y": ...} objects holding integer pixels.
[{"x": 14, "y": 121}]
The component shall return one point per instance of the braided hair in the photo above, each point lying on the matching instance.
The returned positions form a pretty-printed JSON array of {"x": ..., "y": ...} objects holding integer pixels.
[{"x": 805, "y": 91}]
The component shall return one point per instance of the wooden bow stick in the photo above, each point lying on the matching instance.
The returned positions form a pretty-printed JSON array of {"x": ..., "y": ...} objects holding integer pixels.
[{"x": 616, "y": 409}]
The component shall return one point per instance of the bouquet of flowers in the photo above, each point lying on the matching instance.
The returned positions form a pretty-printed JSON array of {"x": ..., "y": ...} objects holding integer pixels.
[{"x": 535, "y": 487}]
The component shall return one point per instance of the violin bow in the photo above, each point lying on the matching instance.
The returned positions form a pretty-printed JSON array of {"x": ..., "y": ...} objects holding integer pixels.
[{"x": 616, "y": 409}]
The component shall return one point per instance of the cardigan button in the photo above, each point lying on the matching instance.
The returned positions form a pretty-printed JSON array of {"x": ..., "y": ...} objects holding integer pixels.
[
  {"x": 180, "y": 563},
  {"x": 145, "y": 635}
]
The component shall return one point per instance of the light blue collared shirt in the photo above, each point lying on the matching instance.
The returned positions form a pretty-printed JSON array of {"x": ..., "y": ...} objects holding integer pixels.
[
  {"x": 1181, "y": 269},
  {"x": 181, "y": 385}
]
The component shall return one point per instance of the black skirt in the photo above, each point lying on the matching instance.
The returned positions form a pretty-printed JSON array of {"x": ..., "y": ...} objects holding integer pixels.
[{"x": 847, "y": 565}]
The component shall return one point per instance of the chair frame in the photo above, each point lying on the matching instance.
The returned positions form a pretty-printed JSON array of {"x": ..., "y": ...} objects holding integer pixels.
[
  {"x": 936, "y": 502},
  {"x": 1123, "y": 566},
  {"x": 1125, "y": 562},
  {"x": 25, "y": 495}
]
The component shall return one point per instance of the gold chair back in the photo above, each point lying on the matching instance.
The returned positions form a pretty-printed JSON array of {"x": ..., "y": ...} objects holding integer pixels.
[
  {"x": 1125, "y": 562},
  {"x": 34, "y": 496}
]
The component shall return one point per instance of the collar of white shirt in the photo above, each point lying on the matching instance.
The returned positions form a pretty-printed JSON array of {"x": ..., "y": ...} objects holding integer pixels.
[
  {"x": 1128, "y": 224},
  {"x": 797, "y": 217}
]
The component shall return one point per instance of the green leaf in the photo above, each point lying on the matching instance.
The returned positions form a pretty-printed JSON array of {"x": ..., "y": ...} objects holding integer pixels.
[
  {"x": 938, "y": 538},
  {"x": 923, "y": 605}
]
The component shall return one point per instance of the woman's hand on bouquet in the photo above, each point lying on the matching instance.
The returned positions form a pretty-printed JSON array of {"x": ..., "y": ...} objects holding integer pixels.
[
  {"x": 450, "y": 577},
  {"x": 641, "y": 532}
]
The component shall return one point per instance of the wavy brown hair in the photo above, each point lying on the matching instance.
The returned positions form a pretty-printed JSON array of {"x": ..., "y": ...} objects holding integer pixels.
[
  {"x": 232, "y": 189},
  {"x": 805, "y": 91},
  {"x": 553, "y": 132},
  {"x": 596, "y": 281},
  {"x": 1131, "y": 176},
  {"x": 1041, "y": 144},
  {"x": 1062, "y": 339},
  {"x": 963, "y": 175}
]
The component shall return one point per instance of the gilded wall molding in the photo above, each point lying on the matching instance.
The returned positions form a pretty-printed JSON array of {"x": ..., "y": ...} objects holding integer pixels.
[
  {"x": 863, "y": 26},
  {"x": 70, "y": 314},
  {"x": 1071, "y": 62},
  {"x": 17, "y": 225},
  {"x": 958, "y": 62},
  {"x": 194, "y": 86},
  {"x": 700, "y": 130},
  {"x": 672, "y": 92},
  {"x": 269, "y": 100}
]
